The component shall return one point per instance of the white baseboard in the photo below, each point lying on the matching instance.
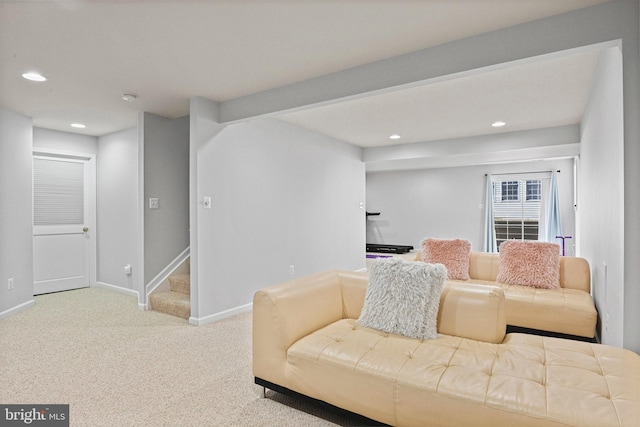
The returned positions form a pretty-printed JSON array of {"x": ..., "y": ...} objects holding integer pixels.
[
  {"x": 17, "y": 309},
  {"x": 199, "y": 321},
  {"x": 125, "y": 291},
  {"x": 118, "y": 289}
]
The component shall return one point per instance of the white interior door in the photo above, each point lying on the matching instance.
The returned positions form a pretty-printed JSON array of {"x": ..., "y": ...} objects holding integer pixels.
[{"x": 61, "y": 218}]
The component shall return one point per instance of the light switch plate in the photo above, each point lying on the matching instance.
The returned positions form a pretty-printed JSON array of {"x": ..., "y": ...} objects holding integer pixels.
[
  {"x": 206, "y": 202},
  {"x": 154, "y": 203}
]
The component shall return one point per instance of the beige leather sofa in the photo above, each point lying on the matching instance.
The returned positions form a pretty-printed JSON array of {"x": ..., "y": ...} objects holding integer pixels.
[
  {"x": 306, "y": 339},
  {"x": 570, "y": 310}
]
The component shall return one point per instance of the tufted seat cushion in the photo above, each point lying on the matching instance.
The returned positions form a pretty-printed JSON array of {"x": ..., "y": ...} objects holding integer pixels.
[{"x": 526, "y": 380}]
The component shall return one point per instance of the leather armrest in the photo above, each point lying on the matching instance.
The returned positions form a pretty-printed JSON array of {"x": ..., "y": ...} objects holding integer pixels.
[
  {"x": 284, "y": 313},
  {"x": 472, "y": 311},
  {"x": 575, "y": 273}
]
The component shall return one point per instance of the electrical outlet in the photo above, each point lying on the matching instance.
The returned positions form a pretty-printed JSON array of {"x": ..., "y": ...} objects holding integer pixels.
[
  {"x": 292, "y": 270},
  {"x": 606, "y": 323},
  {"x": 10, "y": 283},
  {"x": 154, "y": 203}
]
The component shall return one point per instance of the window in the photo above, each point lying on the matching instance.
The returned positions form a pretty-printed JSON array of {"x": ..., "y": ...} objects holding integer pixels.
[
  {"x": 534, "y": 189},
  {"x": 509, "y": 191},
  {"x": 516, "y": 209}
]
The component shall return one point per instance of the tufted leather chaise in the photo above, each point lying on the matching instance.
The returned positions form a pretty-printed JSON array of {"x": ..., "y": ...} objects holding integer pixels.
[{"x": 306, "y": 339}]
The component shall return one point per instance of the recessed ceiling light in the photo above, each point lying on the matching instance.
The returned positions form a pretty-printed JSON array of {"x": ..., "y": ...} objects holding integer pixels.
[
  {"x": 129, "y": 97},
  {"x": 498, "y": 124},
  {"x": 34, "y": 77},
  {"x": 394, "y": 136},
  {"x": 78, "y": 125}
]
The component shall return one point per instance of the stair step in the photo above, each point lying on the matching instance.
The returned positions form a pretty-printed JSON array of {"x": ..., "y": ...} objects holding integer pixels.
[
  {"x": 173, "y": 303},
  {"x": 180, "y": 283}
]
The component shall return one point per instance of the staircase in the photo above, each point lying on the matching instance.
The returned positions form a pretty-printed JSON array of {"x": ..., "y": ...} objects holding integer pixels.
[{"x": 177, "y": 300}]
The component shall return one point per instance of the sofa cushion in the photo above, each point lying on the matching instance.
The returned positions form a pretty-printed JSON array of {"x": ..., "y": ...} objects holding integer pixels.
[
  {"x": 452, "y": 381},
  {"x": 403, "y": 297},
  {"x": 530, "y": 263},
  {"x": 454, "y": 254}
]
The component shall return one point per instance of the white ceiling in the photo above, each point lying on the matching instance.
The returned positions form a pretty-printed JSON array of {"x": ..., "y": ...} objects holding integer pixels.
[
  {"x": 536, "y": 95},
  {"x": 167, "y": 52}
]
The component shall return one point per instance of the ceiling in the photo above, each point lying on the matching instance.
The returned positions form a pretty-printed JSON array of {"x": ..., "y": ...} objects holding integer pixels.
[
  {"x": 169, "y": 51},
  {"x": 536, "y": 95}
]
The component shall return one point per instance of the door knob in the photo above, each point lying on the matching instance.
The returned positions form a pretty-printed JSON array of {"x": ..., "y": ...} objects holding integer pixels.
[{"x": 85, "y": 229}]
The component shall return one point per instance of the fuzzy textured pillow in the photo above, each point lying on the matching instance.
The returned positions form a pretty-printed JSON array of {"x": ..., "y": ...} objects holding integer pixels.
[
  {"x": 403, "y": 298},
  {"x": 535, "y": 264},
  {"x": 454, "y": 254}
]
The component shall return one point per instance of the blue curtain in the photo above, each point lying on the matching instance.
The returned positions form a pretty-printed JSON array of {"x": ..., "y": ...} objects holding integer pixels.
[
  {"x": 490, "y": 244},
  {"x": 552, "y": 218}
]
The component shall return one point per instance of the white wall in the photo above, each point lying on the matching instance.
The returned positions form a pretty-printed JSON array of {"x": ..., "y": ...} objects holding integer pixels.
[
  {"x": 64, "y": 141},
  {"x": 632, "y": 334},
  {"x": 166, "y": 177},
  {"x": 631, "y": 77},
  {"x": 601, "y": 195},
  {"x": 448, "y": 203},
  {"x": 16, "y": 241},
  {"x": 281, "y": 196},
  {"x": 118, "y": 216}
]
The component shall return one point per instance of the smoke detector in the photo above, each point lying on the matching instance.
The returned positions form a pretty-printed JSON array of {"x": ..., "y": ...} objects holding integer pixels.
[{"x": 129, "y": 97}]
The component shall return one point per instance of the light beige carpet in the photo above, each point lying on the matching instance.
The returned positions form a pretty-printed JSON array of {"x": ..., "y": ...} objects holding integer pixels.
[{"x": 118, "y": 366}]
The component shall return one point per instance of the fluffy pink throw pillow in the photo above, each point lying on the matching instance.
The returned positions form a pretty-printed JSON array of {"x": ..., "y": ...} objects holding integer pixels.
[
  {"x": 532, "y": 263},
  {"x": 454, "y": 254}
]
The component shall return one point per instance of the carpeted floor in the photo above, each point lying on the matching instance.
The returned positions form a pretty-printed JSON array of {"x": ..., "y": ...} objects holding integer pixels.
[{"x": 118, "y": 366}]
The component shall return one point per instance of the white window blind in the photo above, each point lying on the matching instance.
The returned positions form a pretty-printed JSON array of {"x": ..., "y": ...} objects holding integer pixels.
[{"x": 58, "y": 192}]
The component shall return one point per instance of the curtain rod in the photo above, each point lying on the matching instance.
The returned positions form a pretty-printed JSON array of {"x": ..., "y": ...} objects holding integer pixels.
[{"x": 519, "y": 173}]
